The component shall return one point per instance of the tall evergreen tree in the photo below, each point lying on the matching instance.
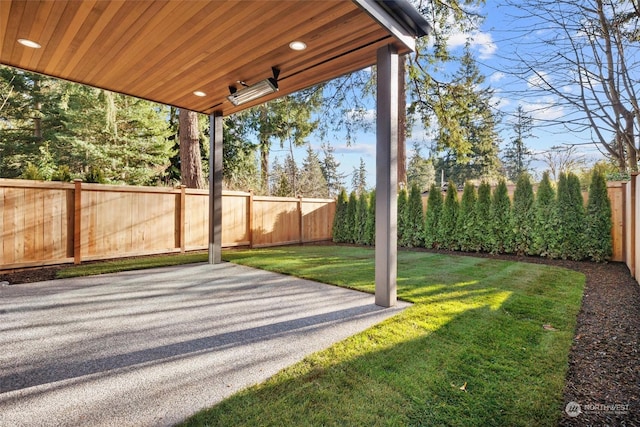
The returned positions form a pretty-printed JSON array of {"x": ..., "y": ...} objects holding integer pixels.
[
  {"x": 420, "y": 171},
  {"x": 52, "y": 123},
  {"x": 502, "y": 232},
  {"x": 330, "y": 169},
  {"x": 571, "y": 217},
  {"x": 545, "y": 232},
  {"x": 370, "y": 232},
  {"x": 432, "y": 226},
  {"x": 359, "y": 178},
  {"x": 402, "y": 217},
  {"x": 467, "y": 219},
  {"x": 286, "y": 119},
  {"x": 598, "y": 245},
  {"x": 280, "y": 181},
  {"x": 523, "y": 216},
  {"x": 449, "y": 220},
  {"x": 351, "y": 226},
  {"x": 312, "y": 181},
  {"x": 483, "y": 229},
  {"x": 340, "y": 218},
  {"x": 517, "y": 156},
  {"x": 239, "y": 160},
  {"x": 414, "y": 219},
  {"x": 475, "y": 136},
  {"x": 362, "y": 213}
]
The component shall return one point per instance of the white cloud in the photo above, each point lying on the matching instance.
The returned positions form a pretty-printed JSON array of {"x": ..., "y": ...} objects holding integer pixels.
[
  {"x": 366, "y": 116},
  {"x": 478, "y": 40},
  {"x": 539, "y": 80},
  {"x": 496, "y": 77},
  {"x": 545, "y": 108},
  {"x": 567, "y": 89},
  {"x": 500, "y": 102},
  {"x": 362, "y": 149}
]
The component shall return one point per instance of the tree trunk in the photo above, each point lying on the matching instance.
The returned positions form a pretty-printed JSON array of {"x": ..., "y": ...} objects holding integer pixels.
[
  {"x": 264, "y": 166},
  {"x": 630, "y": 140},
  {"x": 264, "y": 151},
  {"x": 402, "y": 124},
  {"x": 190, "y": 160}
]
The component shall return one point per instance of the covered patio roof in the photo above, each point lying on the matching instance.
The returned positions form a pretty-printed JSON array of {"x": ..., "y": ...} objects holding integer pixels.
[
  {"x": 193, "y": 54},
  {"x": 164, "y": 51}
]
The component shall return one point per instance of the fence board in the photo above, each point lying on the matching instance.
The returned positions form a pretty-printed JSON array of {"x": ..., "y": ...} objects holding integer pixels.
[
  {"x": 275, "y": 221},
  {"x": 629, "y": 227},
  {"x": 235, "y": 223},
  {"x": 196, "y": 221},
  {"x": 616, "y": 196},
  {"x": 317, "y": 220}
]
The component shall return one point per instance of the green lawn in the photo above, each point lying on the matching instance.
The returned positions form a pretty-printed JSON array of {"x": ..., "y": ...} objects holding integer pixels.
[
  {"x": 140, "y": 263},
  {"x": 475, "y": 321}
]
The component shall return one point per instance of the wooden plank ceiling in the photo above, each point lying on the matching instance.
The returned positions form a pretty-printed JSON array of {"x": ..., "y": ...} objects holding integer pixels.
[{"x": 165, "y": 50}]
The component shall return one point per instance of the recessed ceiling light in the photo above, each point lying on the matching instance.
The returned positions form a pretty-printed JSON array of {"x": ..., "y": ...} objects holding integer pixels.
[
  {"x": 199, "y": 93},
  {"x": 29, "y": 43},
  {"x": 298, "y": 45}
]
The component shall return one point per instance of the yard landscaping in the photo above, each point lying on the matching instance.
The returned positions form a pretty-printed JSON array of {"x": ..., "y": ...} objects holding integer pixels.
[
  {"x": 424, "y": 388},
  {"x": 486, "y": 343}
]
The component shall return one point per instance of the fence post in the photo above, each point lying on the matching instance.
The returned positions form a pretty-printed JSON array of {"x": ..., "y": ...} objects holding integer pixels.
[
  {"x": 183, "y": 217},
  {"x": 301, "y": 230},
  {"x": 77, "y": 221},
  {"x": 250, "y": 218}
]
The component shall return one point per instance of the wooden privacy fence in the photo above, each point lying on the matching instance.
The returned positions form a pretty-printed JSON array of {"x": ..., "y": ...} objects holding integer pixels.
[
  {"x": 47, "y": 223},
  {"x": 629, "y": 195}
]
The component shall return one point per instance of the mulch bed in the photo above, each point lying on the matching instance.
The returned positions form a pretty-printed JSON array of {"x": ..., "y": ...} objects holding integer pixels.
[{"x": 604, "y": 370}]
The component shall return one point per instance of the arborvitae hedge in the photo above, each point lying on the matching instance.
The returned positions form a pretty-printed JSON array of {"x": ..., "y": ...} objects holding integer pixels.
[
  {"x": 482, "y": 232},
  {"x": 597, "y": 243},
  {"x": 352, "y": 207},
  {"x": 467, "y": 219},
  {"x": 370, "y": 229},
  {"x": 502, "y": 235},
  {"x": 362, "y": 212},
  {"x": 571, "y": 223},
  {"x": 402, "y": 207},
  {"x": 549, "y": 224},
  {"x": 449, "y": 219},
  {"x": 340, "y": 218},
  {"x": 432, "y": 218},
  {"x": 523, "y": 216},
  {"x": 545, "y": 230},
  {"x": 414, "y": 219}
]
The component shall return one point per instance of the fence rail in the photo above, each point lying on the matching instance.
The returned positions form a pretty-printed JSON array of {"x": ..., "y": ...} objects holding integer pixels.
[{"x": 47, "y": 223}]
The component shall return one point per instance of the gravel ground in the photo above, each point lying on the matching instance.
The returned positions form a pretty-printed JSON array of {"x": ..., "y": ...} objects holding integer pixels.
[
  {"x": 604, "y": 367},
  {"x": 152, "y": 347}
]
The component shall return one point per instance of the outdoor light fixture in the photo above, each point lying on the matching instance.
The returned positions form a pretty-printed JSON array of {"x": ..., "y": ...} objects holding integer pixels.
[
  {"x": 298, "y": 45},
  {"x": 199, "y": 93},
  {"x": 255, "y": 91},
  {"x": 29, "y": 43}
]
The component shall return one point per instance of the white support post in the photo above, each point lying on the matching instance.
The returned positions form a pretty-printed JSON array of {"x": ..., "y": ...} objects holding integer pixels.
[
  {"x": 386, "y": 177},
  {"x": 215, "y": 188}
]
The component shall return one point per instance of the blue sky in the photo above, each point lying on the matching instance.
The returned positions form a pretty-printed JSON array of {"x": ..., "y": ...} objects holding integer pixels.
[{"x": 491, "y": 44}]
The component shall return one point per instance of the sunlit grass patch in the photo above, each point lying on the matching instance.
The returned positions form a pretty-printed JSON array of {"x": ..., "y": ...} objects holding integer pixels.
[
  {"x": 472, "y": 349},
  {"x": 140, "y": 263}
]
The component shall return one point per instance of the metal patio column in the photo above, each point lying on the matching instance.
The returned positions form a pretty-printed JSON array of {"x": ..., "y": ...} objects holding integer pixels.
[
  {"x": 386, "y": 176},
  {"x": 215, "y": 188}
]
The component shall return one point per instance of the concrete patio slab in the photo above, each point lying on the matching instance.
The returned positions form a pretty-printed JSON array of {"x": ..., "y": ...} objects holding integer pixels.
[{"x": 151, "y": 347}]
